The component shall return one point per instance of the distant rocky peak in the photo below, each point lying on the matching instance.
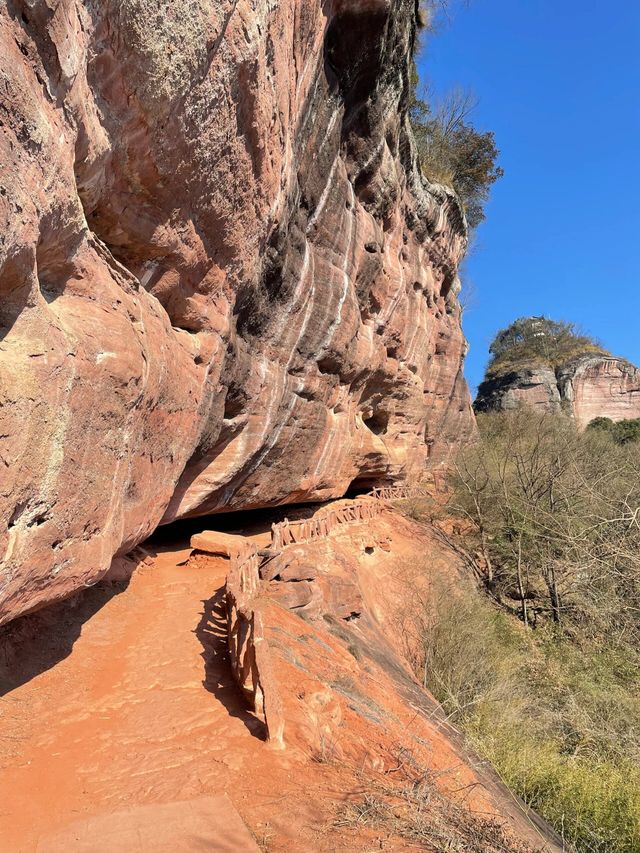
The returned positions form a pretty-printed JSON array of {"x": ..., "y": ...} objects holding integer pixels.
[{"x": 589, "y": 385}]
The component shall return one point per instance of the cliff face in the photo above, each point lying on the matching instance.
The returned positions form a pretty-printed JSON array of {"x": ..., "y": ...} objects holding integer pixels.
[
  {"x": 223, "y": 283},
  {"x": 534, "y": 386},
  {"x": 601, "y": 387},
  {"x": 587, "y": 388}
]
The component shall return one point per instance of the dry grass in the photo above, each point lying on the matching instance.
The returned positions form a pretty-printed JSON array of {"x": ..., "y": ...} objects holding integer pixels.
[
  {"x": 415, "y": 810},
  {"x": 556, "y": 715}
]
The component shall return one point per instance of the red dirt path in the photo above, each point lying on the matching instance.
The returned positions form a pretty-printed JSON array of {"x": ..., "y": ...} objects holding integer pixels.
[{"x": 125, "y": 717}]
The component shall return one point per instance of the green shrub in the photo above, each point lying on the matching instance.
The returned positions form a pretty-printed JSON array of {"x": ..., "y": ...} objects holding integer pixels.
[
  {"x": 594, "y": 805},
  {"x": 602, "y": 424},
  {"x": 622, "y": 432}
]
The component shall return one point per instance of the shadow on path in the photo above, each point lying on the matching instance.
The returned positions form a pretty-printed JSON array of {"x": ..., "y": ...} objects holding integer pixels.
[
  {"x": 34, "y": 643},
  {"x": 218, "y": 680}
]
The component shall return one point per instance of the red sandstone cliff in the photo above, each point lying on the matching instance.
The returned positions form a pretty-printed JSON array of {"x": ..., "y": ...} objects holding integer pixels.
[
  {"x": 597, "y": 387},
  {"x": 223, "y": 282},
  {"x": 589, "y": 387}
]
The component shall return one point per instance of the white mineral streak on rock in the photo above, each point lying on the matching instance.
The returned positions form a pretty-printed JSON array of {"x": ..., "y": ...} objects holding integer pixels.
[
  {"x": 333, "y": 323},
  {"x": 283, "y": 321},
  {"x": 323, "y": 198}
]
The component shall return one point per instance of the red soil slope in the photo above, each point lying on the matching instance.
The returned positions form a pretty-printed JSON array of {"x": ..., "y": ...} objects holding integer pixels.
[{"x": 123, "y": 698}]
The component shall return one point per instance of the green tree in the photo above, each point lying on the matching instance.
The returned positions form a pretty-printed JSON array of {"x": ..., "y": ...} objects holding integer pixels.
[
  {"x": 602, "y": 424},
  {"x": 622, "y": 432},
  {"x": 627, "y": 431}
]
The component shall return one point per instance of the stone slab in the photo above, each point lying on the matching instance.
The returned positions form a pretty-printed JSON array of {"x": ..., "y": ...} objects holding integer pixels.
[
  {"x": 215, "y": 542},
  {"x": 208, "y": 824}
]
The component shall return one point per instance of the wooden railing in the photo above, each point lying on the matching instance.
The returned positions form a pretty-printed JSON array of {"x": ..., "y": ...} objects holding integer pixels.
[
  {"x": 396, "y": 493},
  {"x": 248, "y": 648},
  {"x": 310, "y": 529}
]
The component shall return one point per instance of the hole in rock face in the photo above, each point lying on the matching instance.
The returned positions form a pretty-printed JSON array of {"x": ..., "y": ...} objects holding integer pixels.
[
  {"x": 329, "y": 364},
  {"x": 352, "y": 49},
  {"x": 233, "y": 404},
  {"x": 373, "y": 307},
  {"x": 369, "y": 549},
  {"x": 364, "y": 483},
  {"x": 15, "y": 287},
  {"x": 377, "y": 422},
  {"x": 447, "y": 283}
]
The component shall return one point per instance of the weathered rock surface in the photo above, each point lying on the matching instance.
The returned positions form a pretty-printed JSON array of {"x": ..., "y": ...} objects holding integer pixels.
[
  {"x": 223, "y": 282},
  {"x": 534, "y": 386},
  {"x": 587, "y": 388},
  {"x": 218, "y": 543},
  {"x": 601, "y": 388}
]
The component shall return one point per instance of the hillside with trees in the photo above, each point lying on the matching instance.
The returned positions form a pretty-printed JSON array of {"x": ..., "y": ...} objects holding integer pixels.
[
  {"x": 537, "y": 661},
  {"x": 540, "y": 341}
]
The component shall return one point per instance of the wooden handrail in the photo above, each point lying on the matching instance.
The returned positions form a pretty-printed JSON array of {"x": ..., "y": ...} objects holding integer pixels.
[
  {"x": 248, "y": 648},
  {"x": 319, "y": 527}
]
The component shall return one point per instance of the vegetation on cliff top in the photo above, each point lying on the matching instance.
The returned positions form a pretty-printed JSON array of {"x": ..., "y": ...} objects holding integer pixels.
[
  {"x": 541, "y": 341},
  {"x": 451, "y": 150}
]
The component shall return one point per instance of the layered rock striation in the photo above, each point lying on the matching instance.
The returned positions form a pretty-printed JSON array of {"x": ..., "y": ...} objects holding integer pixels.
[
  {"x": 597, "y": 387},
  {"x": 532, "y": 385},
  {"x": 588, "y": 387},
  {"x": 223, "y": 281}
]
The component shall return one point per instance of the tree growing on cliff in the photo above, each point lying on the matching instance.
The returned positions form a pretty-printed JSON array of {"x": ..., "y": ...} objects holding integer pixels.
[{"x": 453, "y": 152}]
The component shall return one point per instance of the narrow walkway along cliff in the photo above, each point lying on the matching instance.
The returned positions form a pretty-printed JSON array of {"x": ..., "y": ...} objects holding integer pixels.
[{"x": 129, "y": 705}]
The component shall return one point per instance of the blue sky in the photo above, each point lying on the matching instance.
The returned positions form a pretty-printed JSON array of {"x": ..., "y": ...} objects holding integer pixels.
[{"x": 559, "y": 84}]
